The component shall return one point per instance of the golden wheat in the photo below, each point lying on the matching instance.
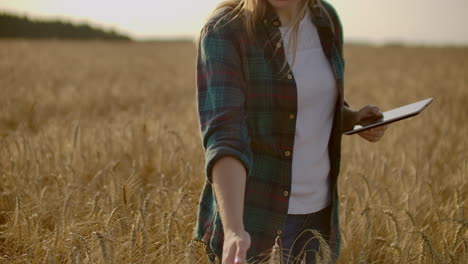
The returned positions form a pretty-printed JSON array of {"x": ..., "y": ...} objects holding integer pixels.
[{"x": 101, "y": 160}]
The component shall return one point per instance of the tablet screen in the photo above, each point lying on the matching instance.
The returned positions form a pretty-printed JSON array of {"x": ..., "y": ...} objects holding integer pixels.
[{"x": 393, "y": 116}]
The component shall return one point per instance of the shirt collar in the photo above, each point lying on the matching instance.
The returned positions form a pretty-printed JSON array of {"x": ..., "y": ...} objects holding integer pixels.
[{"x": 318, "y": 15}]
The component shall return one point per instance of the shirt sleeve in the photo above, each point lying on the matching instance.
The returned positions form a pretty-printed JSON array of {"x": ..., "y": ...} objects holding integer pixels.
[
  {"x": 348, "y": 117},
  {"x": 221, "y": 99},
  {"x": 348, "y": 114}
]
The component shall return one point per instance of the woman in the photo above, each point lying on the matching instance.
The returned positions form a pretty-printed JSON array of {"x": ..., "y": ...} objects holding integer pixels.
[{"x": 272, "y": 112}]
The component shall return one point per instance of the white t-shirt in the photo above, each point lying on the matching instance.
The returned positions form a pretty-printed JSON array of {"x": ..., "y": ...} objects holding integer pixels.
[{"x": 316, "y": 96}]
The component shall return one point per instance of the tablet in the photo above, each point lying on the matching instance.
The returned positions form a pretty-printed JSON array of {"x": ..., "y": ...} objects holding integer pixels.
[{"x": 393, "y": 115}]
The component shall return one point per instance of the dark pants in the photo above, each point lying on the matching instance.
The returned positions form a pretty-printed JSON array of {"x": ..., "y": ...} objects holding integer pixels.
[{"x": 306, "y": 242}]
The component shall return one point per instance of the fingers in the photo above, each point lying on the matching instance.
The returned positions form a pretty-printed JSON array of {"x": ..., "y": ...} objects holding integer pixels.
[
  {"x": 228, "y": 255},
  {"x": 368, "y": 114},
  {"x": 238, "y": 260},
  {"x": 379, "y": 129},
  {"x": 373, "y": 134},
  {"x": 235, "y": 250},
  {"x": 374, "y": 110},
  {"x": 370, "y": 111},
  {"x": 235, "y": 255},
  {"x": 371, "y": 138},
  {"x": 240, "y": 254},
  {"x": 241, "y": 251}
]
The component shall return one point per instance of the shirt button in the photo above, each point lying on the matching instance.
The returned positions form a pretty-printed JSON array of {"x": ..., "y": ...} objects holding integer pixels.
[
  {"x": 278, "y": 232},
  {"x": 275, "y": 23},
  {"x": 287, "y": 153},
  {"x": 289, "y": 76},
  {"x": 265, "y": 21},
  {"x": 278, "y": 45},
  {"x": 285, "y": 193},
  {"x": 291, "y": 116}
]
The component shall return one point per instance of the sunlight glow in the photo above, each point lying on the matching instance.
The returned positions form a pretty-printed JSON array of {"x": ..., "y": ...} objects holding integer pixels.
[{"x": 416, "y": 21}]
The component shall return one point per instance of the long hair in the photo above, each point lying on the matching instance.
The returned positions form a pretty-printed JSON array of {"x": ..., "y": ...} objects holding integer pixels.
[{"x": 253, "y": 10}]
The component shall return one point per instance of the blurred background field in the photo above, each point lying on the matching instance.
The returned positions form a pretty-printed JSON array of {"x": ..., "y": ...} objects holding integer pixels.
[{"x": 101, "y": 159}]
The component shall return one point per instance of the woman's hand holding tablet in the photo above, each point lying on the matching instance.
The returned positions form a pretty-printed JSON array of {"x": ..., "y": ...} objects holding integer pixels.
[
  {"x": 371, "y": 119},
  {"x": 368, "y": 115}
]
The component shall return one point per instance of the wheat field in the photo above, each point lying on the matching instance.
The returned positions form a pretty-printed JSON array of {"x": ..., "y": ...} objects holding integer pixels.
[{"x": 101, "y": 158}]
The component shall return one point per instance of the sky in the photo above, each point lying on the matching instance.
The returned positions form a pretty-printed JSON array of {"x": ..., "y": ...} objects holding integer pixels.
[{"x": 427, "y": 22}]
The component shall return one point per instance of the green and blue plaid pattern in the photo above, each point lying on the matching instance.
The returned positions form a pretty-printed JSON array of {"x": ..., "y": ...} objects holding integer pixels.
[{"x": 247, "y": 106}]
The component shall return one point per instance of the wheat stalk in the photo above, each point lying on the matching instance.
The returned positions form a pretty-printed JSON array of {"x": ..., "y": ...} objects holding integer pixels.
[
  {"x": 395, "y": 223},
  {"x": 362, "y": 257},
  {"x": 124, "y": 195},
  {"x": 144, "y": 240},
  {"x": 75, "y": 142},
  {"x": 102, "y": 245},
  {"x": 95, "y": 208},
  {"x": 49, "y": 258},
  {"x": 190, "y": 254},
  {"x": 66, "y": 204},
  {"x": 428, "y": 243},
  {"x": 133, "y": 245},
  {"x": 276, "y": 254},
  {"x": 78, "y": 259},
  {"x": 17, "y": 217}
]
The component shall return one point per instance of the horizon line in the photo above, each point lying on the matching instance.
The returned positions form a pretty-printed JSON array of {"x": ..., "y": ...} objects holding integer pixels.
[{"x": 191, "y": 36}]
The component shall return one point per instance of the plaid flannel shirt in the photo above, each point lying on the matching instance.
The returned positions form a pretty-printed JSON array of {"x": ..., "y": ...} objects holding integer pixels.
[{"x": 247, "y": 109}]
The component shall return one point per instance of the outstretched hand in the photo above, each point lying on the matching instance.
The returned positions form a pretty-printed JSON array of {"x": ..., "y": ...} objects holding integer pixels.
[
  {"x": 370, "y": 112},
  {"x": 235, "y": 247}
]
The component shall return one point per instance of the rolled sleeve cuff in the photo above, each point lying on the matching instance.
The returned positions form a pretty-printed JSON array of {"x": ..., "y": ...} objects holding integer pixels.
[{"x": 214, "y": 154}]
